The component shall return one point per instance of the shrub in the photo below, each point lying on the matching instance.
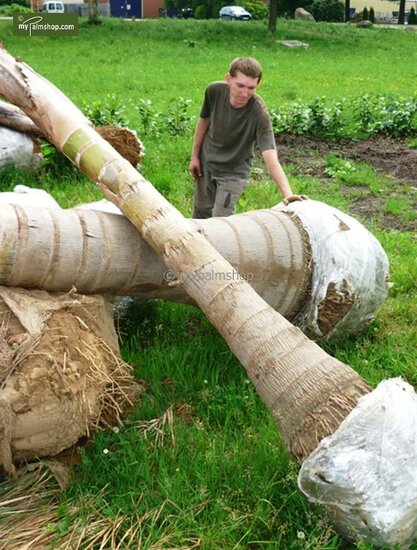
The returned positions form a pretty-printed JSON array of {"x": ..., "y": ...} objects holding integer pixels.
[
  {"x": 389, "y": 115},
  {"x": 412, "y": 17},
  {"x": 328, "y": 10},
  {"x": 257, "y": 8},
  {"x": 24, "y": 3},
  {"x": 201, "y": 12},
  {"x": 371, "y": 15},
  {"x": 8, "y": 11},
  {"x": 365, "y": 14},
  {"x": 349, "y": 118},
  {"x": 108, "y": 110}
]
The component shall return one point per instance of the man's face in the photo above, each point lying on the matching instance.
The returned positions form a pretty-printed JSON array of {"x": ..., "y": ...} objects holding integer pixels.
[{"x": 242, "y": 88}]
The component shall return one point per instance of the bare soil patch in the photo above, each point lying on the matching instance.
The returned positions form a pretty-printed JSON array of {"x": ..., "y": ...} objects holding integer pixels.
[{"x": 391, "y": 157}]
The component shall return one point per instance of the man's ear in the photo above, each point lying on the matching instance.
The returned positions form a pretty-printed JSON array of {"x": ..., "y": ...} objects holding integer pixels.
[{"x": 228, "y": 78}]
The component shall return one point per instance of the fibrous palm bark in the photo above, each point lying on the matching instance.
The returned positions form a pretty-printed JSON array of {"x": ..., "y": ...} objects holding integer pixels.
[{"x": 308, "y": 392}]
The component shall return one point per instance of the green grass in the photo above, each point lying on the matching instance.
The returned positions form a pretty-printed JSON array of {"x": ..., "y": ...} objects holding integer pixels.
[
  {"x": 214, "y": 472},
  {"x": 162, "y": 60}
]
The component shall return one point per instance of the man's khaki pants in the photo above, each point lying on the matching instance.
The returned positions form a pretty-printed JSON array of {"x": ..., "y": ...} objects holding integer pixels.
[{"x": 216, "y": 196}]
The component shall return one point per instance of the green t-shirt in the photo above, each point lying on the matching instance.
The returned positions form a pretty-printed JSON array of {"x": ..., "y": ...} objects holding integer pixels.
[{"x": 229, "y": 142}]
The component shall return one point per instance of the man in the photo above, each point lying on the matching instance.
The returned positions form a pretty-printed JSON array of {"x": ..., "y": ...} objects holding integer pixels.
[{"x": 232, "y": 119}]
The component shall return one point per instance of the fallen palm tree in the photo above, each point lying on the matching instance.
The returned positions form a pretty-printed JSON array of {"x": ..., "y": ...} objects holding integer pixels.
[
  {"x": 309, "y": 393},
  {"x": 303, "y": 260},
  {"x": 20, "y": 145}
]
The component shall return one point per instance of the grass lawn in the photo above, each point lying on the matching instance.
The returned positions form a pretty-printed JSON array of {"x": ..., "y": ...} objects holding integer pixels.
[{"x": 199, "y": 462}]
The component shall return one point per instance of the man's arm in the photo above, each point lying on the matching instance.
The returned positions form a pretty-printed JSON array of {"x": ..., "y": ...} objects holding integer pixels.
[
  {"x": 200, "y": 131},
  {"x": 278, "y": 175}
]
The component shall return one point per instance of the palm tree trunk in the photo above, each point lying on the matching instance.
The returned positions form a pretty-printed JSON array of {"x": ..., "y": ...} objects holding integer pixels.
[
  {"x": 308, "y": 392},
  {"x": 274, "y": 250},
  {"x": 102, "y": 253}
]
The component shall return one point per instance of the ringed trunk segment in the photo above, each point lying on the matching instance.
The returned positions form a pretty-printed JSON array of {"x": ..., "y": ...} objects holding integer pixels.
[
  {"x": 102, "y": 253},
  {"x": 266, "y": 344},
  {"x": 328, "y": 281}
]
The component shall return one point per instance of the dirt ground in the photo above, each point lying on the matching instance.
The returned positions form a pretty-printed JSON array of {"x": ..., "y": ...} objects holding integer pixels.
[{"x": 391, "y": 157}]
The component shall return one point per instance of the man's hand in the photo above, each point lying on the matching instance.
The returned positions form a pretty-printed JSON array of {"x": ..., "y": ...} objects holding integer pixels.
[
  {"x": 294, "y": 198},
  {"x": 195, "y": 168}
]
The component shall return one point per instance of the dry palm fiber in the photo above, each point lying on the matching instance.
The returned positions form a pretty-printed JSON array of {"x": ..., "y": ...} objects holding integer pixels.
[
  {"x": 125, "y": 141},
  {"x": 60, "y": 372},
  {"x": 30, "y": 519}
]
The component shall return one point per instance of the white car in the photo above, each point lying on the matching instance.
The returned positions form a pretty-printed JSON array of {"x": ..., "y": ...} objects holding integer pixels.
[
  {"x": 53, "y": 7},
  {"x": 234, "y": 13}
]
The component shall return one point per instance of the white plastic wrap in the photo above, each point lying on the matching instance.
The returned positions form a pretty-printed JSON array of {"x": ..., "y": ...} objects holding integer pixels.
[
  {"x": 365, "y": 474},
  {"x": 350, "y": 268},
  {"x": 18, "y": 149}
]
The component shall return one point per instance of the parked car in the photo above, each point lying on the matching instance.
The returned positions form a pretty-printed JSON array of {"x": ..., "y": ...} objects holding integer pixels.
[
  {"x": 234, "y": 13},
  {"x": 186, "y": 13},
  {"x": 53, "y": 7}
]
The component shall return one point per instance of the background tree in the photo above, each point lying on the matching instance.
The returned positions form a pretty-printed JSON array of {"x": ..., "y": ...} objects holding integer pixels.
[
  {"x": 412, "y": 17},
  {"x": 347, "y": 11},
  {"x": 93, "y": 17},
  {"x": 273, "y": 14},
  {"x": 371, "y": 15},
  {"x": 401, "y": 13}
]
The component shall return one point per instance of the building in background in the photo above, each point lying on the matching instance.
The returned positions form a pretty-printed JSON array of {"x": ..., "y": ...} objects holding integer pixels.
[
  {"x": 384, "y": 9},
  {"x": 140, "y": 9}
]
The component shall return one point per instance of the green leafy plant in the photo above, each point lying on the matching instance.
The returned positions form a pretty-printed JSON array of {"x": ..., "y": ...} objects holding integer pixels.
[
  {"x": 339, "y": 168},
  {"x": 348, "y": 118},
  {"x": 149, "y": 118},
  {"x": 103, "y": 112},
  {"x": 389, "y": 115},
  {"x": 178, "y": 120}
]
